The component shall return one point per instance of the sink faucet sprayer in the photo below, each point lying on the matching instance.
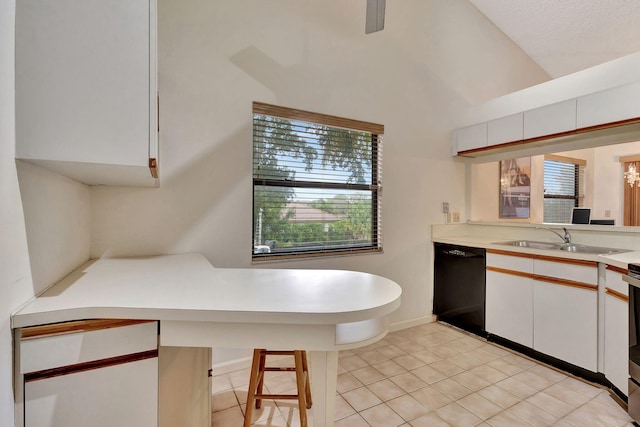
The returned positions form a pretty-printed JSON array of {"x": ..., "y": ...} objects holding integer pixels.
[{"x": 566, "y": 237}]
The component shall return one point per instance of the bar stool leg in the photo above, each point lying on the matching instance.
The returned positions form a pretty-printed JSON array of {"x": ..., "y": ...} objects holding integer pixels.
[
  {"x": 305, "y": 368},
  {"x": 263, "y": 361},
  {"x": 300, "y": 379},
  {"x": 253, "y": 380}
]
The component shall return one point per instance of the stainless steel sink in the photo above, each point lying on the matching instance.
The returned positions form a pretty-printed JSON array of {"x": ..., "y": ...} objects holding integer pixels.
[
  {"x": 567, "y": 247},
  {"x": 530, "y": 244}
]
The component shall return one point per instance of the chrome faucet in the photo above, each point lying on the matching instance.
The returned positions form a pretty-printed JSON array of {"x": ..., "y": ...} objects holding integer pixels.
[{"x": 566, "y": 237}]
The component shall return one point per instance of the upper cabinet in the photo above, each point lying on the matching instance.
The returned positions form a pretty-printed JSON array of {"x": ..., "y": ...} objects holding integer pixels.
[
  {"x": 609, "y": 106},
  {"x": 86, "y": 92},
  {"x": 505, "y": 129},
  {"x": 608, "y": 115},
  {"x": 471, "y": 137},
  {"x": 550, "y": 119}
]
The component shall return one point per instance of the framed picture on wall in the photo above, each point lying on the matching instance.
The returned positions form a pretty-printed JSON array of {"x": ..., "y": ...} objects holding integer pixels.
[{"x": 515, "y": 188}]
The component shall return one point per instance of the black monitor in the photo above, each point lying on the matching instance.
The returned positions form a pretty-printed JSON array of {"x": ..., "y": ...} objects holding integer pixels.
[{"x": 580, "y": 215}]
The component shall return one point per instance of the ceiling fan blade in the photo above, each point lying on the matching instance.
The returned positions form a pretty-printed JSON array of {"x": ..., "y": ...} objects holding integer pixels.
[{"x": 375, "y": 16}]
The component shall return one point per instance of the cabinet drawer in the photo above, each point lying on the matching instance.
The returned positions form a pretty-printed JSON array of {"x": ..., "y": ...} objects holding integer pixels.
[
  {"x": 64, "y": 349},
  {"x": 614, "y": 281},
  {"x": 507, "y": 262},
  {"x": 586, "y": 273}
]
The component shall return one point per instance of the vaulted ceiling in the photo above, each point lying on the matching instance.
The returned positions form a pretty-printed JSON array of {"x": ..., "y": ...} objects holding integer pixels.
[{"x": 565, "y": 36}]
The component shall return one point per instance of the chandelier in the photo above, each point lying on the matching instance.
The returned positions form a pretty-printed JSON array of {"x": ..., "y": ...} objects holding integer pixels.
[{"x": 631, "y": 175}]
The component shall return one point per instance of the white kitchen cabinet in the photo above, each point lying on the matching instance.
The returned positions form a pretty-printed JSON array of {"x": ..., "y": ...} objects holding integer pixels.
[
  {"x": 509, "y": 307},
  {"x": 509, "y": 298},
  {"x": 550, "y": 119},
  {"x": 96, "y": 372},
  {"x": 609, "y": 106},
  {"x": 565, "y": 313},
  {"x": 104, "y": 397},
  {"x": 471, "y": 137},
  {"x": 86, "y": 97},
  {"x": 505, "y": 129},
  {"x": 616, "y": 330}
]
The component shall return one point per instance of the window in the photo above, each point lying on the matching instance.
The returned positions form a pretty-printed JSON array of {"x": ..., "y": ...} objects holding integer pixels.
[
  {"x": 563, "y": 187},
  {"x": 316, "y": 184}
]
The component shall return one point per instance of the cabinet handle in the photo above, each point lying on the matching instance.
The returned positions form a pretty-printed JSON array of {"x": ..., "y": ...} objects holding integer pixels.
[{"x": 88, "y": 366}]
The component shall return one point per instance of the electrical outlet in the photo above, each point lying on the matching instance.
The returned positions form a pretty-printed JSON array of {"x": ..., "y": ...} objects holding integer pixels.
[
  {"x": 445, "y": 207},
  {"x": 607, "y": 214},
  {"x": 448, "y": 217},
  {"x": 456, "y": 217}
]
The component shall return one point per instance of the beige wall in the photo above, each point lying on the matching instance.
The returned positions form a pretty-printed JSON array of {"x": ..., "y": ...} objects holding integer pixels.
[
  {"x": 15, "y": 276},
  {"x": 432, "y": 60}
]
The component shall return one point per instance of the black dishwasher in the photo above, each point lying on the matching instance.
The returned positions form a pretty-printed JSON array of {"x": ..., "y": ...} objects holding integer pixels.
[{"x": 459, "y": 286}]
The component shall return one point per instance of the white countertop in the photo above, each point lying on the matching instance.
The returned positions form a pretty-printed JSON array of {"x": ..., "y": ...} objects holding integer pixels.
[{"x": 188, "y": 288}]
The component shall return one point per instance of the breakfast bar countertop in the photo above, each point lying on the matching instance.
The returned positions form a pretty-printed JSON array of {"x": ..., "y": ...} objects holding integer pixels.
[{"x": 188, "y": 288}]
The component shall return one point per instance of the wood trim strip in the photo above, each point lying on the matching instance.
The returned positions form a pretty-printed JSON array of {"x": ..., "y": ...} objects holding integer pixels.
[
  {"x": 509, "y": 253},
  {"x": 76, "y": 326},
  {"x": 547, "y": 279},
  {"x": 565, "y": 282},
  {"x": 616, "y": 294},
  {"x": 629, "y": 159},
  {"x": 322, "y": 119},
  {"x": 579, "y": 131},
  {"x": 571, "y": 261},
  {"x": 565, "y": 159},
  {"x": 617, "y": 269},
  {"x": 510, "y": 272},
  {"x": 88, "y": 366}
]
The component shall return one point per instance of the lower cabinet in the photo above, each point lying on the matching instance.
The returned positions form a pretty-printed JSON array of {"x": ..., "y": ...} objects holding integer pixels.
[
  {"x": 120, "y": 395},
  {"x": 544, "y": 303},
  {"x": 616, "y": 330},
  {"x": 509, "y": 307},
  {"x": 565, "y": 323},
  {"x": 100, "y": 373}
]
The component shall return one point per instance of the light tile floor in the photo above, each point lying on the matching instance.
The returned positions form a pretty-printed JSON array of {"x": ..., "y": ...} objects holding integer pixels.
[{"x": 433, "y": 375}]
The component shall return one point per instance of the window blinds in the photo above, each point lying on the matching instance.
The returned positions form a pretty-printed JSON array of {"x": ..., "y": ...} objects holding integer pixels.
[
  {"x": 316, "y": 186},
  {"x": 563, "y": 188}
]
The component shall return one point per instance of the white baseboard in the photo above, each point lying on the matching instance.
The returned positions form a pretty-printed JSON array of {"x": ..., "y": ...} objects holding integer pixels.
[
  {"x": 411, "y": 323},
  {"x": 245, "y": 363},
  {"x": 231, "y": 366}
]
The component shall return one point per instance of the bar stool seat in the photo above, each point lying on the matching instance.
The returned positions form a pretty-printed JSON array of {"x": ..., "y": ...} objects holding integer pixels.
[{"x": 256, "y": 382}]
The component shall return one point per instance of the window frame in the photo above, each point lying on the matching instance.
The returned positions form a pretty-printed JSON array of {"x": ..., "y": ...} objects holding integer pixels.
[{"x": 375, "y": 186}]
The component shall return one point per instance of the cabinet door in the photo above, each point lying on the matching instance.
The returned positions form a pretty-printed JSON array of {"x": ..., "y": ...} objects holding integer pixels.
[
  {"x": 86, "y": 88},
  {"x": 616, "y": 342},
  {"x": 566, "y": 323},
  {"x": 550, "y": 119},
  {"x": 509, "y": 312},
  {"x": 505, "y": 129},
  {"x": 120, "y": 395},
  {"x": 616, "y": 330},
  {"x": 471, "y": 137},
  {"x": 620, "y": 103}
]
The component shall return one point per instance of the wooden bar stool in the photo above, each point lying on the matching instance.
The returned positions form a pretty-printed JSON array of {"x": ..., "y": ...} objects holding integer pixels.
[{"x": 256, "y": 382}]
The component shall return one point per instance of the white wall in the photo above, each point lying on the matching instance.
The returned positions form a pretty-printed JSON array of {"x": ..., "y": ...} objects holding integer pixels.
[
  {"x": 15, "y": 276},
  {"x": 432, "y": 60}
]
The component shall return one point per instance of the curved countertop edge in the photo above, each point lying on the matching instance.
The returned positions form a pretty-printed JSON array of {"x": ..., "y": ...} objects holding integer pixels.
[
  {"x": 620, "y": 260},
  {"x": 21, "y": 320}
]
